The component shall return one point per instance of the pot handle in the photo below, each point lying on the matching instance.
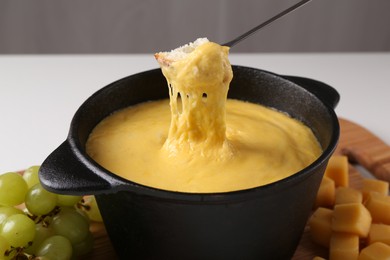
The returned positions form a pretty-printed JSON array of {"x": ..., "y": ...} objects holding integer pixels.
[
  {"x": 327, "y": 94},
  {"x": 64, "y": 172}
]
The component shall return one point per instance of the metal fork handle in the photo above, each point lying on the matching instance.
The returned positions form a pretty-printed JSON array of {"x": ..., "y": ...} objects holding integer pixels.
[{"x": 264, "y": 24}]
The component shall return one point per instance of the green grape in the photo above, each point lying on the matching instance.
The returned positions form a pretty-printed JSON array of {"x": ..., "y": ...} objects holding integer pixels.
[
  {"x": 74, "y": 210},
  {"x": 31, "y": 176},
  {"x": 40, "y": 201},
  {"x": 68, "y": 200},
  {"x": 84, "y": 214},
  {"x": 13, "y": 188},
  {"x": 18, "y": 230},
  {"x": 4, "y": 246},
  {"x": 55, "y": 248},
  {"x": 70, "y": 224},
  {"x": 6, "y": 211},
  {"x": 84, "y": 246},
  {"x": 41, "y": 233},
  {"x": 91, "y": 208}
]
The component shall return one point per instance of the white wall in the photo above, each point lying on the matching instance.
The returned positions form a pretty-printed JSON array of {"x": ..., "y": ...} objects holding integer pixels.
[{"x": 132, "y": 26}]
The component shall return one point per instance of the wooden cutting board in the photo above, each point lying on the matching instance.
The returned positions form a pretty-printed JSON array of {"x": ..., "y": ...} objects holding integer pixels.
[{"x": 361, "y": 146}]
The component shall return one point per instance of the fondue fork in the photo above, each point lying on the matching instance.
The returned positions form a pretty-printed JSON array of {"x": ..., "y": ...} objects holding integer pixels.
[{"x": 264, "y": 24}]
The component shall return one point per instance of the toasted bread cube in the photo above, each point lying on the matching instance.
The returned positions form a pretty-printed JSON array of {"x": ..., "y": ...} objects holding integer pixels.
[
  {"x": 379, "y": 207},
  {"x": 352, "y": 218},
  {"x": 320, "y": 226},
  {"x": 379, "y": 233},
  {"x": 348, "y": 195},
  {"x": 337, "y": 170},
  {"x": 344, "y": 247},
  {"x": 375, "y": 251},
  {"x": 373, "y": 185},
  {"x": 326, "y": 193}
]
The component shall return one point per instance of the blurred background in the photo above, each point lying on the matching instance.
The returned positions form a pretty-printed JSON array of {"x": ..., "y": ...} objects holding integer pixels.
[{"x": 147, "y": 26}]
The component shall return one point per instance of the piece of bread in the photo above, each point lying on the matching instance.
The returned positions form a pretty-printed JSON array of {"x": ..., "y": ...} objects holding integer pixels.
[{"x": 166, "y": 58}]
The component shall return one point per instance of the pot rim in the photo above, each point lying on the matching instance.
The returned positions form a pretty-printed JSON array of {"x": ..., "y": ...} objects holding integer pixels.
[{"x": 119, "y": 183}]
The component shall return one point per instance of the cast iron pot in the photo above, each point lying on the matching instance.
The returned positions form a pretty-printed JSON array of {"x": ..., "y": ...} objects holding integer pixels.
[{"x": 147, "y": 223}]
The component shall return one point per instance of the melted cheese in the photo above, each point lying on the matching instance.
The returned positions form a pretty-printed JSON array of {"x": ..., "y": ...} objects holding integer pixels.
[
  {"x": 198, "y": 141},
  {"x": 198, "y": 87}
]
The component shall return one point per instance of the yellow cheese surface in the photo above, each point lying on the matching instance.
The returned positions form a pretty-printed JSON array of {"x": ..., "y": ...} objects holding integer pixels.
[
  {"x": 348, "y": 195},
  {"x": 320, "y": 226},
  {"x": 326, "y": 193},
  {"x": 373, "y": 185},
  {"x": 351, "y": 218},
  {"x": 344, "y": 247},
  {"x": 198, "y": 141},
  {"x": 375, "y": 251},
  {"x": 379, "y": 233},
  {"x": 337, "y": 170},
  {"x": 379, "y": 207}
]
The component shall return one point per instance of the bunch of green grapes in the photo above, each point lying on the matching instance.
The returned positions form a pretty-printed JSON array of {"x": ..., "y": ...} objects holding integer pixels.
[{"x": 48, "y": 226}]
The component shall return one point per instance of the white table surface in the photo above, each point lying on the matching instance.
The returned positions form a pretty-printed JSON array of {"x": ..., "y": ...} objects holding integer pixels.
[{"x": 40, "y": 93}]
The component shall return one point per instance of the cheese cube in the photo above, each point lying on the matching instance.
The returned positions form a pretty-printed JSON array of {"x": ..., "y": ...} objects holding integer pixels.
[
  {"x": 337, "y": 170},
  {"x": 375, "y": 251},
  {"x": 326, "y": 193},
  {"x": 348, "y": 195},
  {"x": 372, "y": 185},
  {"x": 344, "y": 247},
  {"x": 352, "y": 218},
  {"x": 379, "y": 207},
  {"x": 320, "y": 226},
  {"x": 379, "y": 233}
]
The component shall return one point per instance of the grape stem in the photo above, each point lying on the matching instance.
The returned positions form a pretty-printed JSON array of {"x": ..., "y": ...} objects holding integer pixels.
[
  {"x": 82, "y": 205},
  {"x": 19, "y": 253},
  {"x": 44, "y": 219}
]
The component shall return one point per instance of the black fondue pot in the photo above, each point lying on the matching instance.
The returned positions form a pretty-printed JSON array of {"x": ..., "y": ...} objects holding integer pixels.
[{"x": 143, "y": 222}]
